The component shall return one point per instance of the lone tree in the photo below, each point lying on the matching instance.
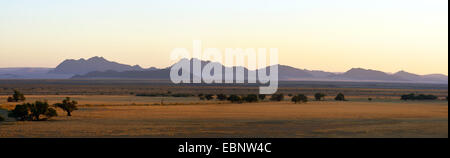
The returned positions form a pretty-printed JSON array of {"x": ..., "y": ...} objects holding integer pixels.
[
  {"x": 340, "y": 97},
  {"x": 33, "y": 111},
  {"x": 221, "y": 97},
  {"x": 262, "y": 97},
  {"x": 301, "y": 98},
  {"x": 277, "y": 97},
  {"x": 16, "y": 97},
  {"x": 251, "y": 98},
  {"x": 319, "y": 96},
  {"x": 67, "y": 105}
]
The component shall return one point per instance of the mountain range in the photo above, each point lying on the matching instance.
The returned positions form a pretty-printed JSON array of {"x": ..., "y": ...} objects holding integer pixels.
[{"x": 100, "y": 68}]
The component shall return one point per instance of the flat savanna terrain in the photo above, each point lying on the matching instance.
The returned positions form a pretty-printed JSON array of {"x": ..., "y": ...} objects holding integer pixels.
[{"x": 120, "y": 113}]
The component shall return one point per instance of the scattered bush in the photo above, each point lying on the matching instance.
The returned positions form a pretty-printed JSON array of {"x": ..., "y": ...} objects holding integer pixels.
[
  {"x": 251, "y": 98},
  {"x": 209, "y": 97},
  {"x": 277, "y": 97},
  {"x": 370, "y": 99},
  {"x": 181, "y": 95},
  {"x": 17, "y": 96},
  {"x": 10, "y": 99},
  {"x": 418, "y": 97},
  {"x": 152, "y": 95},
  {"x": 163, "y": 95},
  {"x": 340, "y": 97},
  {"x": 319, "y": 96},
  {"x": 301, "y": 98},
  {"x": 67, "y": 105},
  {"x": 33, "y": 111},
  {"x": 221, "y": 97},
  {"x": 235, "y": 98},
  {"x": 262, "y": 97}
]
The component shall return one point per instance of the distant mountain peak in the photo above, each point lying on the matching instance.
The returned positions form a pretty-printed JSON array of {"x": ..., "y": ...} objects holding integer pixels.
[
  {"x": 97, "y": 59},
  {"x": 96, "y": 63},
  {"x": 99, "y": 67}
]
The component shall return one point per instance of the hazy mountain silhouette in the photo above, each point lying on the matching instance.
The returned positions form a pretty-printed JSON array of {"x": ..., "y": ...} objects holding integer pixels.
[
  {"x": 421, "y": 78},
  {"x": 286, "y": 73},
  {"x": 100, "y": 68},
  {"x": 366, "y": 75},
  {"x": 83, "y": 66},
  {"x": 30, "y": 73}
]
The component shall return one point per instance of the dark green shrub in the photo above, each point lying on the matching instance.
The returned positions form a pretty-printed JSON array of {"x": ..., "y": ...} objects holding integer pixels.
[
  {"x": 301, "y": 98},
  {"x": 181, "y": 95},
  {"x": 16, "y": 97},
  {"x": 21, "y": 112},
  {"x": 262, "y": 97},
  {"x": 251, "y": 98},
  {"x": 340, "y": 97},
  {"x": 221, "y": 97},
  {"x": 209, "y": 97},
  {"x": 418, "y": 97},
  {"x": 319, "y": 96},
  {"x": 32, "y": 111},
  {"x": 277, "y": 97},
  {"x": 10, "y": 99},
  {"x": 235, "y": 98}
]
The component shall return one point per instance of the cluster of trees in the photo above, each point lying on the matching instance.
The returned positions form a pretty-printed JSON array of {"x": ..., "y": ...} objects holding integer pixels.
[
  {"x": 418, "y": 97},
  {"x": 206, "y": 96},
  {"x": 168, "y": 94},
  {"x": 41, "y": 110},
  {"x": 233, "y": 98},
  {"x": 277, "y": 97},
  {"x": 300, "y": 98},
  {"x": 16, "y": 97},
  {"x": 33, "y": 111}
]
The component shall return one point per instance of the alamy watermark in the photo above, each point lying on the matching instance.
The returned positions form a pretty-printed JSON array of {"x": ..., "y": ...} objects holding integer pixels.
[{"x": 232, "y": 72}]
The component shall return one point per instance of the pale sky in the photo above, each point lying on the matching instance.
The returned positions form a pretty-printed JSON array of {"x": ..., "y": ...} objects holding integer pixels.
[{"x": 330, "y": 35}]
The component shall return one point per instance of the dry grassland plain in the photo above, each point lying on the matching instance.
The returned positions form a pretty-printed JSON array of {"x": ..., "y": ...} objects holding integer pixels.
[{"x": 125, "y": 115}]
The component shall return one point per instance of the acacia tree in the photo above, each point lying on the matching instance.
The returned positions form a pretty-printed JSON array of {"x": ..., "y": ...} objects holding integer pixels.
[
  {"x": 68, "y": 106},
  {"x": 300, "y": 98},
  {"x": 340, "y": 97},
  {"x": 16, "y": 97},
  {"x": 319, "y": 96}
]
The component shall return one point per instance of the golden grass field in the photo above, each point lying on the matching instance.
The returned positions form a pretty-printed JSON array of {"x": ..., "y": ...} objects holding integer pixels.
[
  {"x": 110, "y": 108},
  {"x": 218, "y": 119}
]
